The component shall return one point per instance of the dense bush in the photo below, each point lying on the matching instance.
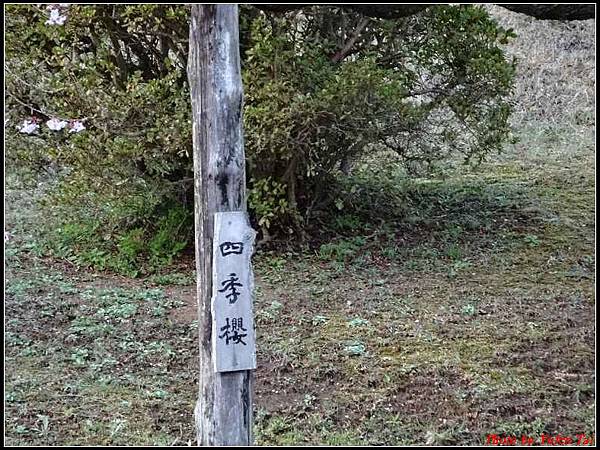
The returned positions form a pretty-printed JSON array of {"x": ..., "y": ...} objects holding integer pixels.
[{"x": 426, "y": 86}]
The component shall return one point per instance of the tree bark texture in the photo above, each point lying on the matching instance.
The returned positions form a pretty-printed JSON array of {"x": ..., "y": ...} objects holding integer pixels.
[{"x": 224, "y": 408}]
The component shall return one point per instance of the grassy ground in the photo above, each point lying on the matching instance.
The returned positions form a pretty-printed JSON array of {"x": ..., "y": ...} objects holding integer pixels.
[
  {"x": 474, "y": 317},
  {"x": 468, "y": 310}
]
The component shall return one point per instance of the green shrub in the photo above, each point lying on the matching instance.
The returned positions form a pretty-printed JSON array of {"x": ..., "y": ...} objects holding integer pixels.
[
  {"x": 171, "y": 236},
  {"x": 131, "y": 244}
]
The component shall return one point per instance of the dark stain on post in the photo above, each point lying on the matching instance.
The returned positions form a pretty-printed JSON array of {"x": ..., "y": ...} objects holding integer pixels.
[
  {"x": 222, "y": 181},
  {"x": 246, "y": 399}
]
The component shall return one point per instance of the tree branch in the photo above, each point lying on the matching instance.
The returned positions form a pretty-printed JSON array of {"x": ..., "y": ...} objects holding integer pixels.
[
  {"x": 380, "y": 11},
  {"x": 555, "y": 12},
  {"x": 389, "y": 11},
  {"x": 345, "y": 50}
]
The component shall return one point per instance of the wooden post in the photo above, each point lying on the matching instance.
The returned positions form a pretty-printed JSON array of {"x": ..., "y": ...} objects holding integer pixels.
[{"x": 224, "y": 408}]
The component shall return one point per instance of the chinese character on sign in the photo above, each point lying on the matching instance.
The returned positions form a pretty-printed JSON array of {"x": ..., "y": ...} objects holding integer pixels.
[
  {"x": 232, "y": 331},
  {"x": 231, "y": 248},
  {"x": 230, "y": 285}
]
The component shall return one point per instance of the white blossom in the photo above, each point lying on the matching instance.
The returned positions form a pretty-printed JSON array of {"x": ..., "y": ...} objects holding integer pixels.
[
  {"x": 56, "y": 18},
  {"x": 7, "y": 236},
  {"x": 76, "y": 127},
  {"x": 28, "y": 127},
  {"x": 56, "y": 6},
  {"x": 56, "y": 124}
]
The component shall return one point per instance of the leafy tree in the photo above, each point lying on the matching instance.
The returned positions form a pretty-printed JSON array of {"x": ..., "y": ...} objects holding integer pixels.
[{"x": 322, "y": 86}]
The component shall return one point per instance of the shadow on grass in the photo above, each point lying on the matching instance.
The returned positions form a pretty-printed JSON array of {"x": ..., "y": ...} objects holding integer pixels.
[{"x": 391, "y": 217}]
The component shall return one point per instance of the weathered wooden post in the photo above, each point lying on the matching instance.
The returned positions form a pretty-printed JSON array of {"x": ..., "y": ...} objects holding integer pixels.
[{"x": 223, "y": 237}]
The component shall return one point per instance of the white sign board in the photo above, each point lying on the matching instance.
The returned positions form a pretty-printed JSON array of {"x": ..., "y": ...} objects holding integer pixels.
[{"x": 233, "y": 334}]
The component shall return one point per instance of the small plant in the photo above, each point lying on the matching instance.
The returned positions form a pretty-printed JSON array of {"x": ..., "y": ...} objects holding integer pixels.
[
  {"x": 276, "y": 262},
  {"x": 66, "y": 288},
  {"x": 13, "y": 339},
  {"x": 277, "y": 429},
  {"x": 520, "y": 426},
  {"x": 355, "y": 348},
  {"x": 158, "y": 311},
  {"x": 151, "y": 295},
  {"x": 179, "y": 279},
  {"x": 273, "y": 310},
  {"x": 470, "y": 306},
  {"x": 94, "y": 257},
  {"x": 457, "y": 266},
  {"x": 159, "y": 393},
  {"x": 159, "y": 347},
  {"x": 88, "y": 326},
  {"x": 454, "y": 252},
  {"x": 21, "y": 429},
  {"x": 80, "y": 356},
  {"x": 118, "y": 311},
  {"x": 357, "y": 322},
  {"x": 116, "y": 426},
  {"x": 318, "y": 320},
  {"x": 18, "y": 287},
  {"x": 131, "y": 245},
  {"x": 532, "y": 240},
  {"x": 468, "y": 310},
  {"x": 390, "y": 252},
  {"x": 266, "y": 198},
  {"x": 308, "y": 400},
  {"x": 103, "y": 364},
  {"x": 346, "y": 222}
]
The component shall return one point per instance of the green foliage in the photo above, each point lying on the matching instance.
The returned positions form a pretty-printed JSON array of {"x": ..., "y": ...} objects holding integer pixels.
[
  {"x": 355, "y": 348},
  {"x": 532, "y": 240},
  {"x": 80, "y": 356},
  {"x": 342, "y": 250},
  {"x": 132, "y": 252},
  {"x": 124, "y": 78},
  {"x": 266, "y": 198},
  {"x": 358, "y": 322},
  {"x": 346, "y": 222},
  {"x": 178, "y": 279},
  {"x": 131, "y": 244},
  {"x": 88, "y": 326},
  {"x": 468, "y": 310},
  {"x": 170, "y": 238},
  {"x": 271, "y": 312},
  {"x": 318, "y": 320},
  {"x": 426, "y": 87},
  {"x": 437, "y": 87}
]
